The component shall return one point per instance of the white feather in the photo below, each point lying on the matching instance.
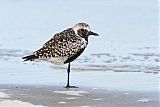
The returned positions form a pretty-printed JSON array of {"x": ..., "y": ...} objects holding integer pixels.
[
  {"x": 79, "y": 26},
  {"x": 84, "y": 43},
  {"x": 57, "y": 61}
]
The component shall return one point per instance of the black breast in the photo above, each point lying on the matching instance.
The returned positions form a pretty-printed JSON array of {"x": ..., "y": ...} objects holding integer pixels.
[{"x": 70, "y": 59}]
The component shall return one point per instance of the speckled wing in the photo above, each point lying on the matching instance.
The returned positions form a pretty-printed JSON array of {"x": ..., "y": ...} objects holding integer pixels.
[{"x": 65, "y": 44}]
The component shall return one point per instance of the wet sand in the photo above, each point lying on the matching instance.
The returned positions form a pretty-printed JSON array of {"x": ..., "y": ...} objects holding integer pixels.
[{"x": 54, "y": 96}]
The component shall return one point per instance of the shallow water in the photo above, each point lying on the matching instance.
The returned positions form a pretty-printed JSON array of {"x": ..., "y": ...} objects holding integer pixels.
[{"x": 128, "y": 40}]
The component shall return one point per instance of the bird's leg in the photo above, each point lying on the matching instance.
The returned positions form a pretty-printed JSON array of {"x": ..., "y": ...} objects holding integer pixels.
[{"x": 68, "y": 71}]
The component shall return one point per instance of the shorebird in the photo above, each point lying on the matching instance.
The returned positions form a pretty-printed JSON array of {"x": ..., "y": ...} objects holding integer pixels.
[{"x": 64, "y": 47}]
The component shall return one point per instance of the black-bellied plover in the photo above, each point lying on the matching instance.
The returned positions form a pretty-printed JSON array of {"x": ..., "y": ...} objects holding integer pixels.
[{"x": 64, "y": 47}]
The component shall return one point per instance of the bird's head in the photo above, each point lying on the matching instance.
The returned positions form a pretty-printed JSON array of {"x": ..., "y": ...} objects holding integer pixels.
[{"x": 83, "y": 30}]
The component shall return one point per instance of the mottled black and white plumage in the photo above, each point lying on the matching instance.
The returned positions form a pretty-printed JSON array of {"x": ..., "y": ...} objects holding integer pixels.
[{"x": 65, "y": 46}]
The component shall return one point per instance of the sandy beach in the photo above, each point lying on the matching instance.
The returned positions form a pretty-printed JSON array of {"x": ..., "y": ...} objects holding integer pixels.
[{"x": 52, "y": 96}]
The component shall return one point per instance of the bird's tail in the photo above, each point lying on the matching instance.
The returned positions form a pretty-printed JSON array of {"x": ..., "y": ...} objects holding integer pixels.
[{"x": 30, "y": 57}]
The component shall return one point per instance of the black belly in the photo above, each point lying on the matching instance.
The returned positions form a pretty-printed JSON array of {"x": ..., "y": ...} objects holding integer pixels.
[{"x": 74, "y": 56}]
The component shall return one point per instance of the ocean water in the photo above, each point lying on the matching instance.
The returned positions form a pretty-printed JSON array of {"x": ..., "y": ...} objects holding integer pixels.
[{"x": 128, "y": 41}]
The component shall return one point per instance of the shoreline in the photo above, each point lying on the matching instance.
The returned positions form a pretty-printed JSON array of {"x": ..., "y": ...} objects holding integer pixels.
[{"x": 54, "y": 96}]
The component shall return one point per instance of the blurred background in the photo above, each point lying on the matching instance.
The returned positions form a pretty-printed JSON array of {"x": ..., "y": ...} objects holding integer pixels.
[{"x": 122, "y": 25}]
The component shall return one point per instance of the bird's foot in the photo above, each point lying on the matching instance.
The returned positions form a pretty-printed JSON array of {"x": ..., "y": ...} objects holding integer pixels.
[{"x": 68, "y": 86}]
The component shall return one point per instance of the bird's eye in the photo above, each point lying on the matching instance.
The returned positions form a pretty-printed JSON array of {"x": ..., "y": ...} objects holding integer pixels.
[{"x": 82, "y": 30}]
